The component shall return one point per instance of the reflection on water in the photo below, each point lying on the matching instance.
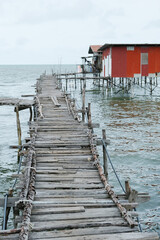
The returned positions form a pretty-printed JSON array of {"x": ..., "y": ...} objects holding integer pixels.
[{"x": 131, "y": 121}]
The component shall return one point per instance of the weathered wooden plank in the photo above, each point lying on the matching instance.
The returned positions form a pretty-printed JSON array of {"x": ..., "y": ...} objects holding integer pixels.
[
  {"x": 66, "y": 179},
  {"x": 16, "y": 101},
  {"x": 113, "y": 236},
  {"x": 50, "y": 185},
  {"x": 74, "y": 176},
  {"x": 80, "y": 232},
  {"x": 9, "y": 236},
  {"x": 62, "y": 158},
  {"x": 57, "y": 210},
  {"x": 75, "y": 196},
  {"x": 10, "y": 203},
  {"x": 77, "y": 224},
  {"x": 89, "y": 214},
  {"x": 72, "y": 200},
  {"x": 65, "y": 165},
  {"x": 68, "y": 172}
]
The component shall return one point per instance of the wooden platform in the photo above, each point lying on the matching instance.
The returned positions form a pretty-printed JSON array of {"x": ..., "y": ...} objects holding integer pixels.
[{"x": 70, "y": 200}]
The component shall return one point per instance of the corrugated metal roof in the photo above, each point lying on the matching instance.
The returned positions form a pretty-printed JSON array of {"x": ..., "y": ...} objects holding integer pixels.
[
  {"x": 94, "y": 48},
  {"x": 127, "y": 44}
]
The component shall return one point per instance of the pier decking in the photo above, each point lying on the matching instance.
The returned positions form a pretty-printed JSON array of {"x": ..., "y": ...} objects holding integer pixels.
[{"x": 62, "y": 193}]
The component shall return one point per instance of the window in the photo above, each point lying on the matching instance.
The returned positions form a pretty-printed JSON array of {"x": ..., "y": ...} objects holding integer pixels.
[
  {"x": 144, "y": 58},
  {"x": 130, "y": 48}
]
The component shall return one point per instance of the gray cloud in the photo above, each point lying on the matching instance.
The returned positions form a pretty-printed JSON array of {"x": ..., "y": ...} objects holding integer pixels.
[{"x": 152, "y": 24}]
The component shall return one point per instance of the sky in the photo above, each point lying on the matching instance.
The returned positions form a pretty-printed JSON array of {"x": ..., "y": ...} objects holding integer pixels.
[{"x": 61, "y": 31}]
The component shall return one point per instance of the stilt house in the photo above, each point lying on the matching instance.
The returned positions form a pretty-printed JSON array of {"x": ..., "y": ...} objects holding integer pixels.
[{"x": 130, "y": 60}]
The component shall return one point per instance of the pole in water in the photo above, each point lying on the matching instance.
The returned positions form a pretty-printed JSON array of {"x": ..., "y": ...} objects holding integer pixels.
[
  {"x": 105, "y": 163},
  {"x": 83, "y": 104}
]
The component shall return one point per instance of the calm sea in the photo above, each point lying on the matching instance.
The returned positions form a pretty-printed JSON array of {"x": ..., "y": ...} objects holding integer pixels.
[{"x": 131, "y": 121}]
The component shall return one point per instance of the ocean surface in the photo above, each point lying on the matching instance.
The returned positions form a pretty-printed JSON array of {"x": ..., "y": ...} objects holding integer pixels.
[{"x": 131, "y": 120}]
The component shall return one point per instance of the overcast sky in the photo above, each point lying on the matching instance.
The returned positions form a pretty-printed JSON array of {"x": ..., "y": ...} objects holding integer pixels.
[{"x": 60, "y": 31}]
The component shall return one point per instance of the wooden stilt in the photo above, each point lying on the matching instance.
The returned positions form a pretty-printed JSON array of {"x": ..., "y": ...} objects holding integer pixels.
[
  {"x": 83, "y": 105},
  {"x": 105, "y": 164},
  {"x": 19, "y": 132},
  {"x": 30, "y": 109},
  {"x": 89, "y": 115}
]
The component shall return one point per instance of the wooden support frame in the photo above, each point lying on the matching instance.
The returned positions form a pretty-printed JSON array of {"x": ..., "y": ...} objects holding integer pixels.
[{"x": 19, "y": 131}]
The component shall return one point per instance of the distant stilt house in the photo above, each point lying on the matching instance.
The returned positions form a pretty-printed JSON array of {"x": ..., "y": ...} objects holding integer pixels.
[
  {"x": 92, "y": 64},
  {"x": 96, "y": 57},
  {"x": 130, "y": 60}
]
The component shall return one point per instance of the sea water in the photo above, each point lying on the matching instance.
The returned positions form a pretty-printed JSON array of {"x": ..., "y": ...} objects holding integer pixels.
[{"x": 131, "y": 121}]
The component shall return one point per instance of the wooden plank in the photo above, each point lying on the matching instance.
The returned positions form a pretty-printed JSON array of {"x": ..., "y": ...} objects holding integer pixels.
[
  {"x": 80, "y": 232},
  {"x": 10, "y": 203},
  {"x": 66, "y": 179},
  {"x": 57, "y": 210},
  {"x": 77, "y": 224},
  {"x": 50, "y": 185},
  {"x": 89, "y": 214},
  {"x": 113, "y": 236},
  {"x": 9, "y": 236}
]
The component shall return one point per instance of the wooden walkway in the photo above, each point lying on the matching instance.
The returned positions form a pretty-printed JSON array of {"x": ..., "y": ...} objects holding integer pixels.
[{"x": 62, "y": 192}]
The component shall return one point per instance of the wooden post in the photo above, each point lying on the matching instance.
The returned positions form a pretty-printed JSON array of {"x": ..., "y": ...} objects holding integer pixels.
[
  {"x": 10, "y": 194},
  {"x": 111, "y": 82},
  {"x": 123, "y": 80},
  {"x": 81, "y": 85},
  {"x": 30, "y": 109},
  {"x": 127, "y": 188},
  {"x": 107, "y": 83},
  {"x": 83, "y": 105},
  {"x": 75, "y": 81},
  {"x": 145, "y": 80},
  {"x": 134, "y": 80},
  {"x": 84, "y": 83},
  {"x": 18, "y": 131},
  {"x": 66, "y": 83},
  {"x": 89, "y": 115},
  {"x": 99, "y": 82},
  {"x": 105, "y": 164},
  {"x": 15, "y": 214},
  {"x": 151, "y": 85}
]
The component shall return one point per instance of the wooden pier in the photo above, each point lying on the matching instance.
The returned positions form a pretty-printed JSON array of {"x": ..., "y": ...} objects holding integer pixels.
[{"x": 64, "y": 193}]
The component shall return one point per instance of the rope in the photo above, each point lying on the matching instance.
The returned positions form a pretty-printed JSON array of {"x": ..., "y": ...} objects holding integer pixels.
[
  {"x": 139, "y": 225},
  {"x": 113, "y": 167},
  {"x": 104, "y": 144}
]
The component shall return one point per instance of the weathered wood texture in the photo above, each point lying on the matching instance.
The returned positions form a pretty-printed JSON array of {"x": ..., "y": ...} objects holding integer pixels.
[
  {"x": 22, "y": 103},
  {"x": 71, "y": 201}
]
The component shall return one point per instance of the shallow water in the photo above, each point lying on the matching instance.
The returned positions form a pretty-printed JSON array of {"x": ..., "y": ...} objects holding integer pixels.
[{"x": 131, "y": 122}]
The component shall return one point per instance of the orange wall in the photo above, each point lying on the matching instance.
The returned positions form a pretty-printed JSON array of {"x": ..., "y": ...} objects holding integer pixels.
[
  {"x": 133, "y": 62},
  {"x": 154, "y": 59}
]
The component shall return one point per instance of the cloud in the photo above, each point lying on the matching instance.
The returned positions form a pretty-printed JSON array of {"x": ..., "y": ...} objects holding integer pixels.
[
  {"x": 40, "y": 11},
  {"x": 152, "y": 24},
  {"x": 22, "y": 41},
  {"x": 39, "y": 31}
]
